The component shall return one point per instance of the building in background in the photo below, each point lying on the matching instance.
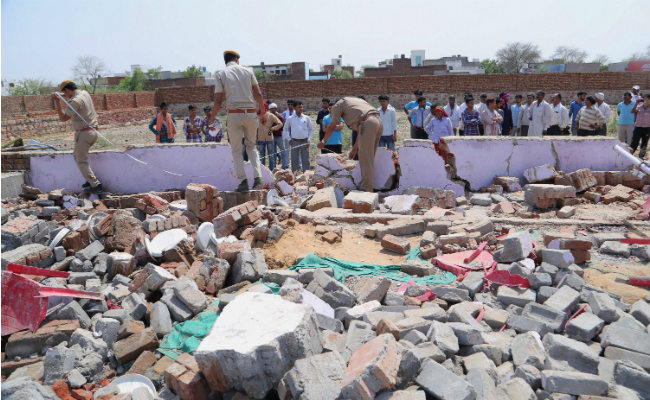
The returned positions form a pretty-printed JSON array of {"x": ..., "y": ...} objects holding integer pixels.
[
  {"x": 294, "y": 71},
  {"x": 417, "y": 58},
  {"x": 419, "y": 65}
]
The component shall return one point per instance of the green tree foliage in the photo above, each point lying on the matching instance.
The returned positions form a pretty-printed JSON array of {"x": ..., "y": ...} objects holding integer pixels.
[
  {"x": 193, "y": 72},
  {"x": 261, "y": 76},
  {"x": 153, "y": 73},
  {"x": 340, "y": 73},
  {"x": 29, "y": 87},
  {"x": 491, "y": 66},
  {"x": 135, "y": 82}
]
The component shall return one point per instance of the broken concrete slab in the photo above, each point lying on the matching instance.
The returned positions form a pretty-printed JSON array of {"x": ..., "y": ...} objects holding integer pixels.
[{"x": 255, "y": 341}]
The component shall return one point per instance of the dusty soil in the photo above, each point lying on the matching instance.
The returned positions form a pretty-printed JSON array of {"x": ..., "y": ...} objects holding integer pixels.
[
  {"x": 617, "y": 282},
  {"x": 302, "y": 240}
]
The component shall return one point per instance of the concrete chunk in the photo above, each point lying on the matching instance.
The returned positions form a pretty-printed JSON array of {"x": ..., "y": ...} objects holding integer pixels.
[
  {"x": 255, "y": 341},
  {"x": 439, "y": 382},
  {"x": 315, "y": 377},
  {"x": 576, "y": 383}
]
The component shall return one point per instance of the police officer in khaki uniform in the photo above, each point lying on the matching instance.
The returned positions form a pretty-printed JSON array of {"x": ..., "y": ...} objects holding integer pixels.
[
  {"x": 363, "y": 118},
  {"x": 85, "y": 135},
  {"x": 245, "y": 107}
]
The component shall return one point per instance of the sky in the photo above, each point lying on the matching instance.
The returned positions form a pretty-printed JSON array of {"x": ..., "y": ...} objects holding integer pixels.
[{"x": 43, "y": 38}]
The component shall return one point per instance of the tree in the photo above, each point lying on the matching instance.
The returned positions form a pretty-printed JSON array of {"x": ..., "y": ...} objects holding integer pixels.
[
  {"x": 193, "y": 71},
  {"x": 88, "y": 70},
  {"x": 361, "y": 73},
  {"x": 514, "y": 56},
  {"x": 569, "y": 55},
  {"x": 640, "y": 55},
  {"x": 133, "y": 83},
  {"x": 340, "y": 73},
  {"x": 600, "y": 59},
  {"x": 491, "y": 66},
  {"x": 261, "y": 75},
  {"x": 153, "y": 73},
  {"x": 29, "y": 87}
]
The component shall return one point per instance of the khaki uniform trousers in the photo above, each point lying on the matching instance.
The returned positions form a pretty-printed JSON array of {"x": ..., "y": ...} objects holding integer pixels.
[
  {"x": 370, "y": 132},
  {"x": 244, "y": 125},
  {"x": 83, "y": 141}
]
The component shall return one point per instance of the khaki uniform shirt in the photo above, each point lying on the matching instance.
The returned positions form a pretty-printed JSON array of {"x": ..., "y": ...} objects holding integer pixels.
[
  {"x": 83, "y": 104},
  {"x": 352, "y": 110},
  {"x": 236, "y": 83},
  {"x": 264, "y": 130}
]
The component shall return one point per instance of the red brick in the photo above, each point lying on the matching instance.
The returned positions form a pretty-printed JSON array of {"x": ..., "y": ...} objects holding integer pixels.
[
  {"x": 376, "y": 360},
  {"x": 395, "y": 244},
  {"x": 130, "y": 348},
  {"x": 145, "y": 360}
]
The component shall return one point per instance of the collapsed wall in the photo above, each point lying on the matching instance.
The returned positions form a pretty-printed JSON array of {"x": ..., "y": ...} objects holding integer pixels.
[{"x": 472, "y": 163}]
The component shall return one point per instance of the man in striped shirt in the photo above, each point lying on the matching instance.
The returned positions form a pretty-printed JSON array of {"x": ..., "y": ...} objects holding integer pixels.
[{"x": 589, "y": 118}]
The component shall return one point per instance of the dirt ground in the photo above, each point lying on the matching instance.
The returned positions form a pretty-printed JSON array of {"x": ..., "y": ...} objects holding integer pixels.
[
  {"x": 302, "y": 240},
  {"x": 617, "y": 282}
]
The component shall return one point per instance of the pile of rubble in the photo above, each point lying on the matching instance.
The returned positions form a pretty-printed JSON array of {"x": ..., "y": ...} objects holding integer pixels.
[{"x": 190, "y": 306}]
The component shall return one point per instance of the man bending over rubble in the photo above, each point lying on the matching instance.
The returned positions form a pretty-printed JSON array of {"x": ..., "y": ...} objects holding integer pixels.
[
  {"x": 84, "y": 122},
  {"x": 364, "y": 118}
]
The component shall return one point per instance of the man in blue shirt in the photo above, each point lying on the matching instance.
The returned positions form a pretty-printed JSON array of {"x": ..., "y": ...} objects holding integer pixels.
[
  {"x": 574, "y": 107},
  {"x": 410, "y": 106},
  {"x": 417, "y": 117},
  {"x": 515, "y": 108},
  {"x": 335, "y": 142},
  {"x": 325, "y": 104},
  {"x": 625, "y": 119}
]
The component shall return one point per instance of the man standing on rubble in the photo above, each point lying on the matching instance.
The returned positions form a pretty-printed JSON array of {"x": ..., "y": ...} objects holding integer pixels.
[
  {"x": 84, "y": 121},
  {"x": 364, "y": 118},
  {"x": 239, "y": 87}
]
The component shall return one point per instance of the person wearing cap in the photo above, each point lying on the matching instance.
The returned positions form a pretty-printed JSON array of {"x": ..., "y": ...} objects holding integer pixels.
[
  {"x": 439, "y": 126},
  {"x": 606, "y": 110},
  {"x": 641, "y": 126},
  {"x": 238, "y": 86},
  {"x": 212, "y": 131},
  {"x": 265, "y": 136},
  {"x": 363, "y": 118},
  {"x": 83, "y": 117},
  {"x": 589, "y": 118},
  {"x": 192, "y": 126},
  {"x": 636, "y": 94}
]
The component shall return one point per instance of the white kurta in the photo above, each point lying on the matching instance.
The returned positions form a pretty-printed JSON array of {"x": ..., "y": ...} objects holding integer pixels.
[{"x": 541, "y": 117}]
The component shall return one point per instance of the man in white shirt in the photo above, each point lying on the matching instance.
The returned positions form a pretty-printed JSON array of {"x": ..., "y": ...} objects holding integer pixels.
[
  {"x": 523, "y": 123},
  {"x": 389, "y": 121},
  {"x": 480, "y": 108},
  {"x": 636, "y": 93},
  {"x": 453, "y": 111},
  {"x": 286, "y": 114},
  {"x": 298, "y": 130},
  {"x": 559, "y": 118},
  {"x": 539, "y": 114},
  {"x": 606, "y": 110}
]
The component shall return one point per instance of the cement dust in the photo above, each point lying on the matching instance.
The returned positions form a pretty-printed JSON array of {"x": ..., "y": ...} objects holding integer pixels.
[
  {"x": 301, "y": 240},
  {"x": 617, "y": 283}
]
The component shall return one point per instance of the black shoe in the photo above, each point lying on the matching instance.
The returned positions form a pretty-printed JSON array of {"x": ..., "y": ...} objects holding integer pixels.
[
  {"x": 257, "y": 184},
  {"x": 95, "y": 190},
  {"x": 85, "y": 185},
  {"x": 243, "y": 186}
]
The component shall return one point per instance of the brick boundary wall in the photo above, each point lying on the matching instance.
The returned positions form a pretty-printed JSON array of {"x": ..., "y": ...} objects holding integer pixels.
[{"x": 35, "y": 115}]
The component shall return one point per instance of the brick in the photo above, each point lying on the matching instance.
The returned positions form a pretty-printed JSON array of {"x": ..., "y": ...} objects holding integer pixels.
[
  {"x": 372, "y": 367},
  {"x": 130, "y": 348},
  {"x": 25, "y": 343},
  {"x": 145, "y": 360},
  {"x": 395, "y": 244},
  {"x": 361, "y": 202}
]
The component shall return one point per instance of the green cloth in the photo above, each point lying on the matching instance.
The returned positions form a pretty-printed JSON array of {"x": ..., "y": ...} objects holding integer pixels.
[
  {"x": 344, "y": 269},
  {"x": 186, "y": 337}
]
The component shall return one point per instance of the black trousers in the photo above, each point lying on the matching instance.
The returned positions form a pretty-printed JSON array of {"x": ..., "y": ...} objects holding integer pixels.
[
  {"x": 642, "y": 135},
  {"x": 585, "y": 132},
  {"x": 481, "y": 129},
  {"x": 524, "y": 130},
  {"x": 602, "y": 131},
  {"x": 554, "y": 130},
  {"x": 332, "y": 148},
  {"x": 419, "y": 133}
]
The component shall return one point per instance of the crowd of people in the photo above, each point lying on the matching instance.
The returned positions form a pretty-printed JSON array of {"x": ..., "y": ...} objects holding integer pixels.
[{"x": 257, "y": 131}]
